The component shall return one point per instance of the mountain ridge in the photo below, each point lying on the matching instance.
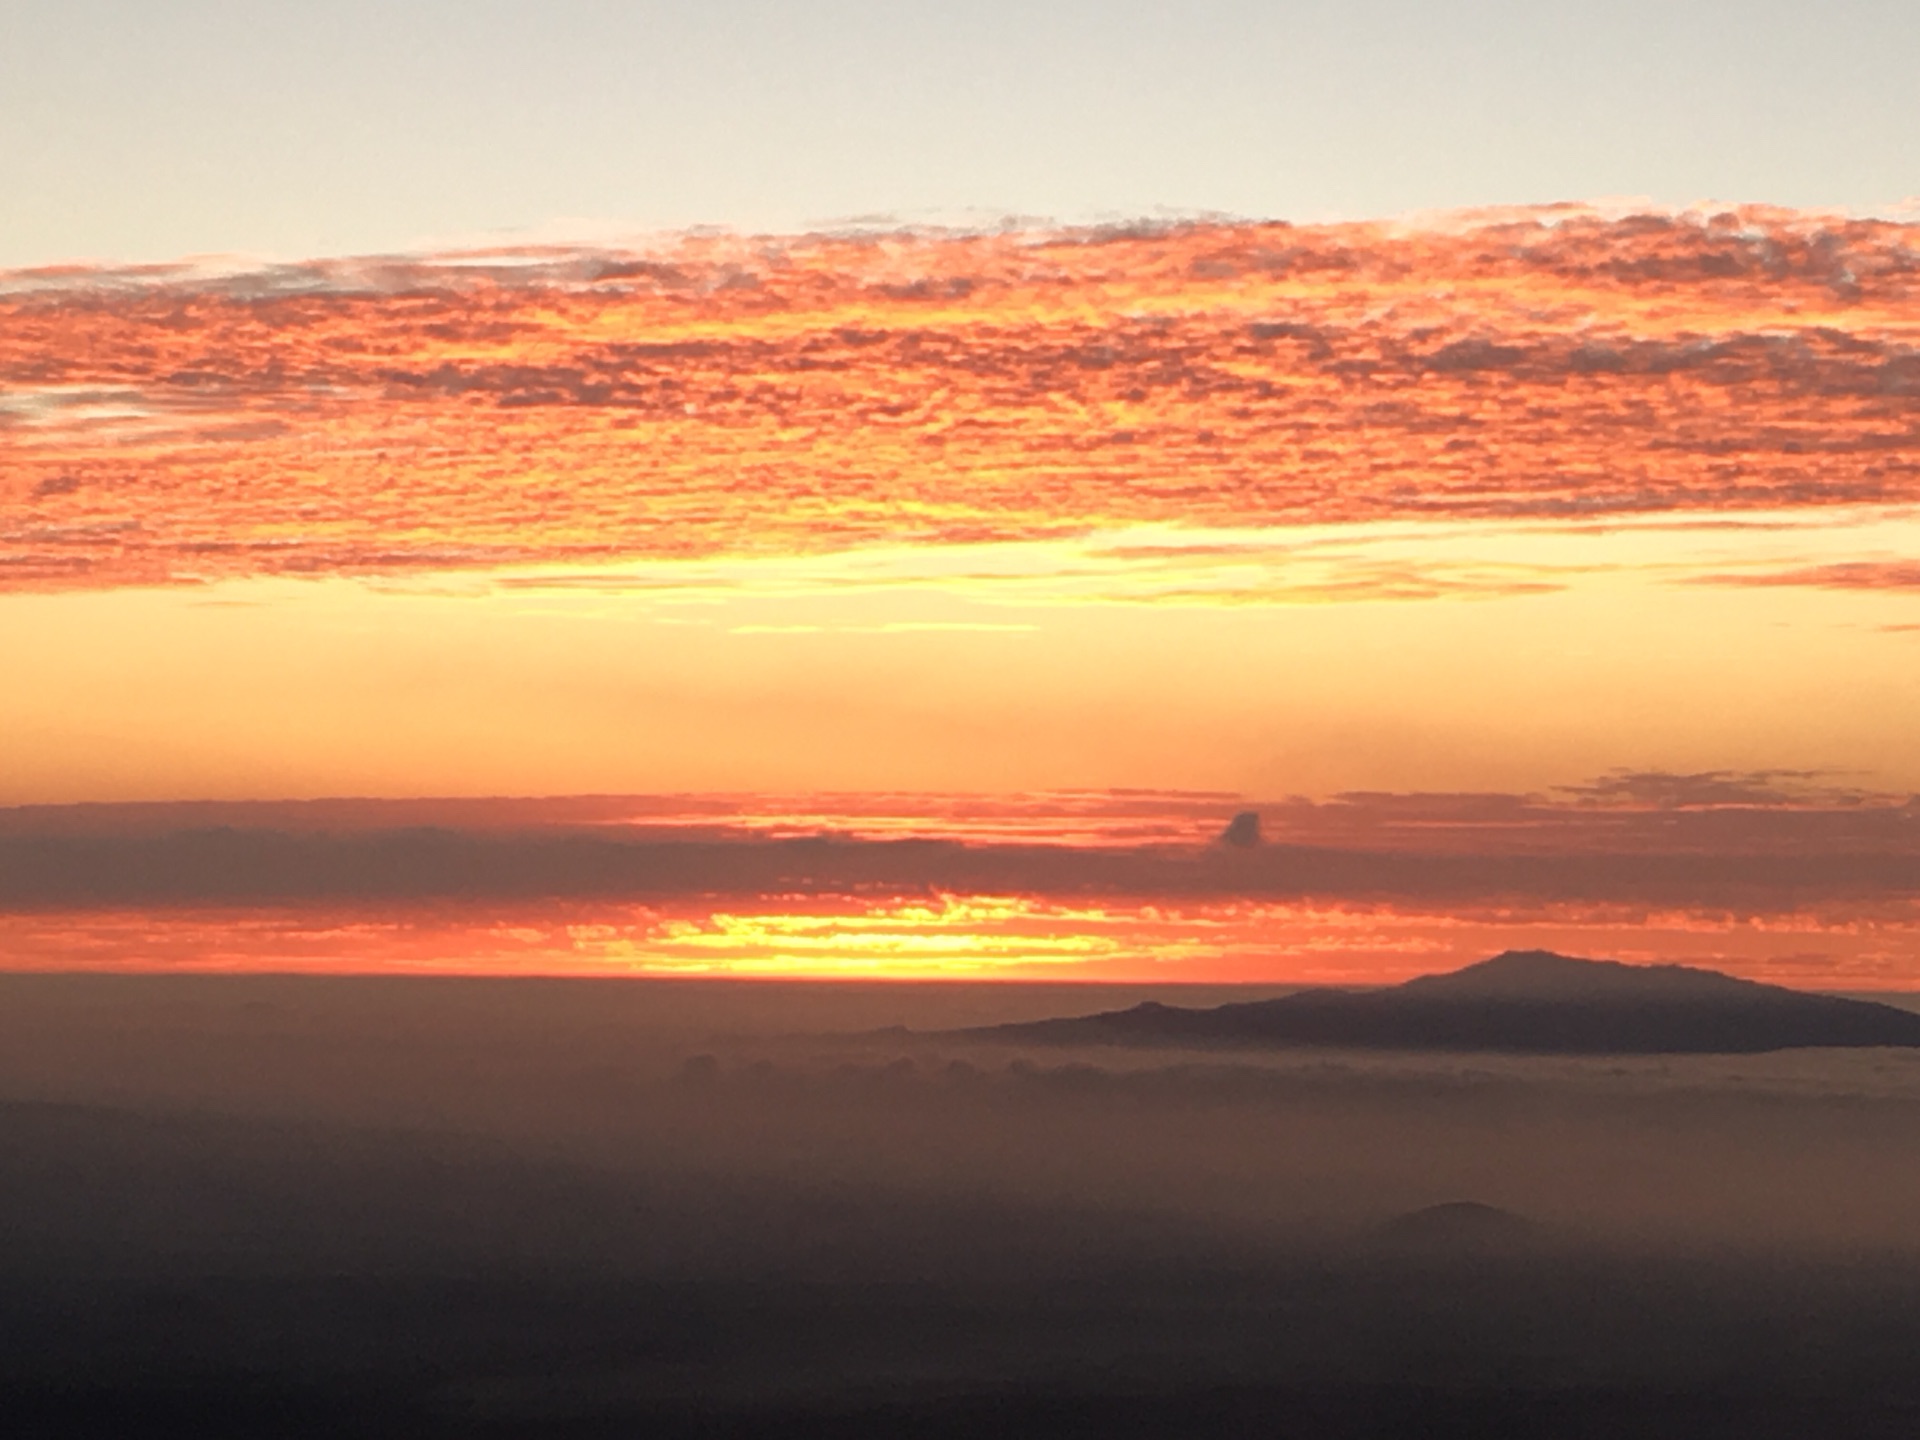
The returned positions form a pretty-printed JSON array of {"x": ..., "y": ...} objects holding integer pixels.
[{"x": 1525, "y": 1001}]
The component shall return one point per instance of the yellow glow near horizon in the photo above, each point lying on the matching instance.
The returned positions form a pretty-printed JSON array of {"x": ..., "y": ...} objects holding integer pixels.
[
  {"x": 1490, "y": 656},
  {"x": 968, "y": 937},
  {"x": 957, "y": 936}
]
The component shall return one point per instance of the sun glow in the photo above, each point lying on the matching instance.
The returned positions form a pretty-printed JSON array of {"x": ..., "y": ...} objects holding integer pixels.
[
  {"x": 971, "y": 937},
  {"x": 954, "y": 936}
]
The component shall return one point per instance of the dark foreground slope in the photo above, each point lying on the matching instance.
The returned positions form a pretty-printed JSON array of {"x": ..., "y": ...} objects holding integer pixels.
[
  {"x": 265, "y": 1206},
  {"x": 214, "y": 1278},
  {"x": 1527, "y": 1001}
]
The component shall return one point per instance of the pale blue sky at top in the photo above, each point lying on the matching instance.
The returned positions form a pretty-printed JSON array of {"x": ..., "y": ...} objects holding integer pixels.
[{"x": 148, "y": 129}]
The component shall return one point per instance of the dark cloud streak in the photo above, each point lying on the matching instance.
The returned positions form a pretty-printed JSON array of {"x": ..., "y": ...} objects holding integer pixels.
[{"x": 1781, "y": 866}]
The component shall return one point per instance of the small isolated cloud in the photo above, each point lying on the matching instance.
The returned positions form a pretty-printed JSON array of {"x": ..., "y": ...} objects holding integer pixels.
[{"x": 1243, "y": 831}]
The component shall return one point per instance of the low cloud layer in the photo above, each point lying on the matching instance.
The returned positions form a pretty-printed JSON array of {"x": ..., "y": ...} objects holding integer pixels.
[{"x": 1782, "y": 876}]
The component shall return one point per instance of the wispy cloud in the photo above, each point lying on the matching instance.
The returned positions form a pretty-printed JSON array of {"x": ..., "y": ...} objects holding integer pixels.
[{"x": 1897, "y": 575}]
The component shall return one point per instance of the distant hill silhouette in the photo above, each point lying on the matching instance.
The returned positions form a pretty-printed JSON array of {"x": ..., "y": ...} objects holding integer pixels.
[
  {"x": 1528, "y": 1001},
  {"x": 1457, "y": 1227}
]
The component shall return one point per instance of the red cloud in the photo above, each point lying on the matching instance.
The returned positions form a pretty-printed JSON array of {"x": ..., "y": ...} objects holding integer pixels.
[{"x": 746, "y": 396}]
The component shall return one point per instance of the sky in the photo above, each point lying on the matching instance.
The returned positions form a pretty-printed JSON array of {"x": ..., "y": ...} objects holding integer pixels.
[
  {"x": 1261, "y": 509},
  {"x": 151, "y": 129},
  {"x": 917, "y": 426}
]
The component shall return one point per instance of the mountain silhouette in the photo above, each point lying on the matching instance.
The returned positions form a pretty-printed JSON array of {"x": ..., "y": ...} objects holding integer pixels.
[
  {"x": 1457, "y": 1227},
  {"x": 1527, "y": 1001}
]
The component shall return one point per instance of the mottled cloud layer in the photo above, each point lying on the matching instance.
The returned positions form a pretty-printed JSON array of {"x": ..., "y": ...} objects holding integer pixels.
[{"x": 728, "y": 396}]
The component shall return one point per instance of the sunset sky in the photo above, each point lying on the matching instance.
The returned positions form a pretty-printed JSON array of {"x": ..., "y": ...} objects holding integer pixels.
[{"x": 1541, "y": 571}]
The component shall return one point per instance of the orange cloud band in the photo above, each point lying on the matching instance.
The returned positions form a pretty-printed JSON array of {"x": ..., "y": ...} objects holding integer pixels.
[
  {"x": 736, "y": 396},
  {"x": 953, "y": 936}
]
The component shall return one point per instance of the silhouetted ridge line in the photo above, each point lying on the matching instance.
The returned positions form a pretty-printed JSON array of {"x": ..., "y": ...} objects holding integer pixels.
[
  {"x": 1529, "y": 1001},
  {"x": 1458, "y": 1227}
]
